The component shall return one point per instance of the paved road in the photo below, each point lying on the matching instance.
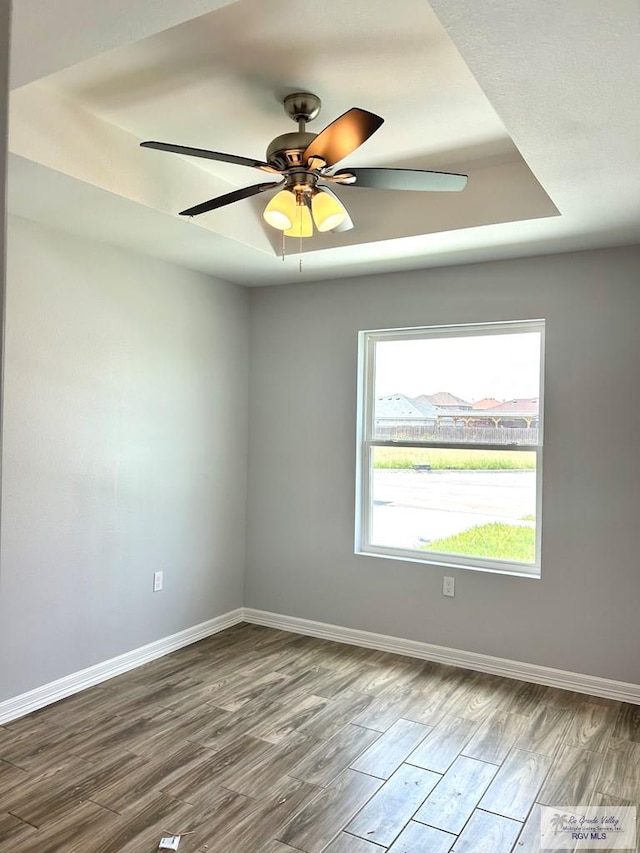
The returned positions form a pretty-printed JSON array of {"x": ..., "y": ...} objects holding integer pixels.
[{"x": 413, "y": 507}]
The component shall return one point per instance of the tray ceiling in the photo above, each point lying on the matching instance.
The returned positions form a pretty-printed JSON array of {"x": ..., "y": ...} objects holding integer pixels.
[{"x": 466, "y": 91}]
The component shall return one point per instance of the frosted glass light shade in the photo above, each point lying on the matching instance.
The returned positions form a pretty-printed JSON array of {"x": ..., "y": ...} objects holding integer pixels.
[
  {"x": 281, "y": 210},
  {"x": 302, "y": 224},
  {"x": 328, "y": 212}
]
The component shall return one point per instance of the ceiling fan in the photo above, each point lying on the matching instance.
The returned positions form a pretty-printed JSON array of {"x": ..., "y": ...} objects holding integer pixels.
[{"x": 305, "y": 162}]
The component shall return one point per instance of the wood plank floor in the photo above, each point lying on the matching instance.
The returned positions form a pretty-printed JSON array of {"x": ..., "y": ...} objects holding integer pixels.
[{"x": 261, "y": 740}]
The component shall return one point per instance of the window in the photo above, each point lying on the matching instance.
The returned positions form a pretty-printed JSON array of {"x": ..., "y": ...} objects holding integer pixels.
[{"x": 450, "y": 445}]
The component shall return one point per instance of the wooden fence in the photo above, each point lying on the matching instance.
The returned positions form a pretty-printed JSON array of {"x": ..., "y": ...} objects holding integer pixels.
[{"x": 458, "y": 435}]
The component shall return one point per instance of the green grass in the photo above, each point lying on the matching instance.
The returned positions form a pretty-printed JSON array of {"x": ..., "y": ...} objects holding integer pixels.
[
  {"x": 528, "y": 517},
  {"x": 496, "y": 540},
  {"x": 455, "y": 460}
]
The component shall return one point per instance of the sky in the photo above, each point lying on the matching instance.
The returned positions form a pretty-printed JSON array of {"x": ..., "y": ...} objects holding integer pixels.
[{"x": 472, "y": 367}]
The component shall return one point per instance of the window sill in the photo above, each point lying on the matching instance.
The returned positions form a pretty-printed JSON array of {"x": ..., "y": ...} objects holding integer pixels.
[{"x": 510, "y": 569}]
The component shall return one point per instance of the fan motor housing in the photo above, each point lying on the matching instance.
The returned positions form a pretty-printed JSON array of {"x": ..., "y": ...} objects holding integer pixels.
[{"x": 285, "y": 151}]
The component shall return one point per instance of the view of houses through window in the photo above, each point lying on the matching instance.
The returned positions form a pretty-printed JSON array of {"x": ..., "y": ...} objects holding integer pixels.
[{"x": 451, "y": 444}]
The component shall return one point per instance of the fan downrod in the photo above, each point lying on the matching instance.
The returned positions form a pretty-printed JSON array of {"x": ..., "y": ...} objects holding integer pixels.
[{"x": 285, "y": 151}]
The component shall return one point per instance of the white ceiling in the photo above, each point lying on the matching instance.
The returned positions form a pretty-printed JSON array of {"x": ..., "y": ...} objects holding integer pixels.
[{"x": 537, "y": 102}]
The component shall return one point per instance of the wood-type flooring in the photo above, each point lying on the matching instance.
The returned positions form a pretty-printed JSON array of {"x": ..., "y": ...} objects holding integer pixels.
[{"x": 261, "y": 740}]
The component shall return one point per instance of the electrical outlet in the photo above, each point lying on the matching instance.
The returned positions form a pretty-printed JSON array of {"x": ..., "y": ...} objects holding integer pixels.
[
  {"x": 157, "y": 581},
  {"x": 449, "y": 586}
]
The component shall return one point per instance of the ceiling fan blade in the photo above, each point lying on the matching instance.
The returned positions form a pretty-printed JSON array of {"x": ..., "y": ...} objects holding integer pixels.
[
  {"x": 210, "y": 155},
  {"x": 343, "y": 136},
  {"x": 401, "y": 179},
  {"x": 229, "y": 198}
]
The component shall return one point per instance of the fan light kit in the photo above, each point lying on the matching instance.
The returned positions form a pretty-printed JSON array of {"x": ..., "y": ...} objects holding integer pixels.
[{"x": 304, "y": 161}]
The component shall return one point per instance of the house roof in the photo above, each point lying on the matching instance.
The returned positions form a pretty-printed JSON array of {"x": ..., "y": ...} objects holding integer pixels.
[
  {"x": 486, "y": 403},
  {"x": 521, "y": 405},
  {"x": 425, "y": 406},
  {"x": 443, "y": 398},
  {"x": 400, "y": 406}
]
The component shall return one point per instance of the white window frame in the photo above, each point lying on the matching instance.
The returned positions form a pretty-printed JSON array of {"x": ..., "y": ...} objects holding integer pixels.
[{"x": 366, "y": 441}]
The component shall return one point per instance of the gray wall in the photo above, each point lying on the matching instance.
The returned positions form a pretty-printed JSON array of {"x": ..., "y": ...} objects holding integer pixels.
[
  {"x": 125, "y": 452},
  {"x": 583, "y": 614},
  {"x": 5, "y": 23},
  {"x": 125, "y": 436}
]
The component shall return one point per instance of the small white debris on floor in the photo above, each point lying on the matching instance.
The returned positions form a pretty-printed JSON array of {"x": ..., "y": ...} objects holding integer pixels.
[{"x": 169, "y": 842}]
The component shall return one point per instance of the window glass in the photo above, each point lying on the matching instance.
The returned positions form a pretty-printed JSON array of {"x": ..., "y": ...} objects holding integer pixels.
[{"x": 451, "y": 445}]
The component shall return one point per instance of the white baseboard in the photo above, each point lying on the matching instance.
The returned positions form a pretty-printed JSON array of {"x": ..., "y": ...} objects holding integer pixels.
[
  {"x": 590, "y": 684},
  {"x": 18, "y": 706},
  {"x": 593, "y": 685}
]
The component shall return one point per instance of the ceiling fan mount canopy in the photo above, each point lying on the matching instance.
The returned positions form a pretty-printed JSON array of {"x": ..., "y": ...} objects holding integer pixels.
[
  {"x": 302, "y": 106},
  {"x": 305, "y": 162}
]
